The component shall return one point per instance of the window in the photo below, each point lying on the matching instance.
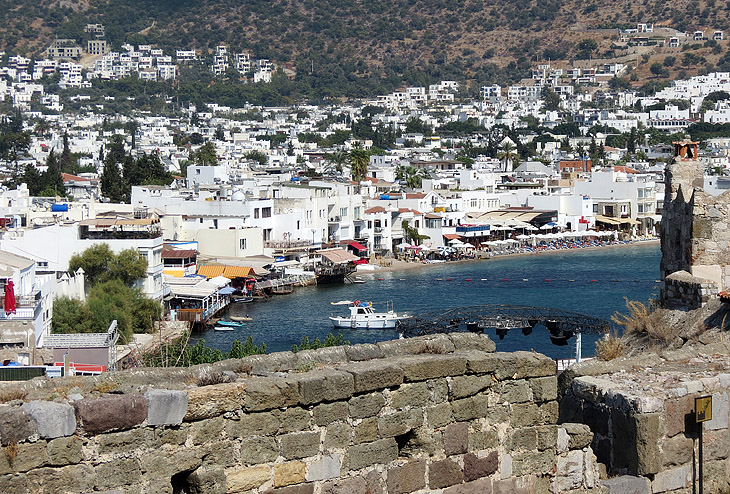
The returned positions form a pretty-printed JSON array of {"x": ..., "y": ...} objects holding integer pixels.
[
  {"x": 298, "y": 224},
  {"x": 266, "y": 212},
  {"x": 356, "y": 213},
  {"x": 267, "y": 234},
  {"x": 343, "y": 212},
  {"x": 256, "y": 213},
  {"x": 242, "y": 244}
]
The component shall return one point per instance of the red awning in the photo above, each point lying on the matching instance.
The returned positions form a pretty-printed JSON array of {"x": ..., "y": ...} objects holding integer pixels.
[
  {"x": 451, "y": 236},
  {"x": 357, "y": 246}
]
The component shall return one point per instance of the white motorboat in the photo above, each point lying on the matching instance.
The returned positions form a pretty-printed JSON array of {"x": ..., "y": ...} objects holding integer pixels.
[{"x": 363, "y": 316}]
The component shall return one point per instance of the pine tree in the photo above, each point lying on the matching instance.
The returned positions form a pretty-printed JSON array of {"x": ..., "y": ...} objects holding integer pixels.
[
  {"x": 51, "y": 180},
  {"x": 112, "y": 186},
  {"x": 65, "y": 162}
]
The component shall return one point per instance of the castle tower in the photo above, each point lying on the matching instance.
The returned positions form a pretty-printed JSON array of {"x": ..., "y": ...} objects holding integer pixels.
[{"x": 695, "y": 239}]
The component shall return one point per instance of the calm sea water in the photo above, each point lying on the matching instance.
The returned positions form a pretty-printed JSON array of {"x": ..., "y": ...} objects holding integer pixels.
[{"x": 593, "y": 282}]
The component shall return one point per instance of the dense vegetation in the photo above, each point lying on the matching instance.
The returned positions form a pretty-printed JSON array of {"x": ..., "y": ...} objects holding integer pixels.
[
  {"x": 354, "y": 47},
  {"x": 111, "y": 295}
]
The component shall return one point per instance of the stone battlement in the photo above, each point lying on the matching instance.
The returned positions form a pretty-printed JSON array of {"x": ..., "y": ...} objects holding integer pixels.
[{"x": 442, "y": 413}]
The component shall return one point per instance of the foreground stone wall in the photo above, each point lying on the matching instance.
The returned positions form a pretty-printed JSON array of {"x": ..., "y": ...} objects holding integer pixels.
[
  {"x": 641, "y": 412},
  {"x": 433, "y": 414}
]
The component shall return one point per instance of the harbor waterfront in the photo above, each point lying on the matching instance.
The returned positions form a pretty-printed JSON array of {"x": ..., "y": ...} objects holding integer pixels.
[{"x": 594, "y": 282}]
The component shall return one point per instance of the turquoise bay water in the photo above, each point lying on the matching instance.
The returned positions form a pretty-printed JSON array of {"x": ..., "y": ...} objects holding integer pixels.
[{"x": 593, "y": 282}]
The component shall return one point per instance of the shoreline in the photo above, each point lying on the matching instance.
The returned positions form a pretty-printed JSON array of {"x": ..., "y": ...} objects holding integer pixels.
[{"x": 399, "y": 265}]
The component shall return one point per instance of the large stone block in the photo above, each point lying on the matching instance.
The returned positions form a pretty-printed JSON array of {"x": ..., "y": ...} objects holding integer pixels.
[
  {"x": 430, "y": 344},
  {"x": 465, "y": 386},
  {"x": 398, "y": 423},
  {"x": 111, "y": 412},
  {"x": 207, "y": 480},
  {"x": 672, "y": 479},
  {"x": 361, "y": 484},
  {"x": 470, "y": 408},
  {"x": 444, "y": 473},
  {"x": 481, "y": 486},
  {"x": 292, "y": 489},
  {"x": 368, "y": 405},
  {"x": 337, "y": 436},
  {"x": 268, "y": 393},
  {"x": 544, "y": 388},
  {"x": 242, "y": 480},
  {"x": 579, "y": 435},
  {"x": 374, "y": 375},
  {"x": 364, "y": 455},
  {"x": 118, "y": 473},
  {"x": 53, "y": 419},
  {"x": 294, "y": 419},
  {"x": 456, "y": 439},
  {"x": 476, "y": 468},
  {"x": 288, "y": 473},
  {"x": 648, "y": 433},
  {"x": 23, "y": 457},
  {"x": 326, "y": 355},
  {"x": 720, "y": 411},
  {"x": 324, "y": 385},
  {"x": 363, "y": 352},
  {"x": 326, "y": 413},
  {"x": 257, "y": 450},
  {"x": 271, "y": 362},
  {"x": 424, "y": 367},
  {"x": 515, "y": 392},
  {"x": 65, "y": 451},
  {"x": 410, "y": 395},
  {"x": 73, "y": 478},
  {"x": 166, "y": 407},
  {"x": 513, "y": 365},
  {"x": 16, "y": 425},
  {"x": 210, "y": 401},
  {"x": 300, "y": 444},
  {"x": 676, "y": 450},
  {"x": 569, "y": 473},
  {"x": 325, "y": 468},
  {"x": 366, "y": 431},
  {"x": 439, "y": 415},
  {"x": 472, "y": 342},
  {"x": 407, "y": 478},
  {"x": 254, "y": 424}
]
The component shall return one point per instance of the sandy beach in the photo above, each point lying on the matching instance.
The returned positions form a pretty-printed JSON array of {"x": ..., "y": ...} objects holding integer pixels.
[{"x": 401, "y": 265}]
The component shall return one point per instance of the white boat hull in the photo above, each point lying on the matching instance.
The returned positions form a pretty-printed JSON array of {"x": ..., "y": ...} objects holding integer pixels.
[{"x": 372, "y": 321}]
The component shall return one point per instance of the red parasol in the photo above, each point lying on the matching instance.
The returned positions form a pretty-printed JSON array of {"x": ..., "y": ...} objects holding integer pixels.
[{"x": 9, "y": 303}]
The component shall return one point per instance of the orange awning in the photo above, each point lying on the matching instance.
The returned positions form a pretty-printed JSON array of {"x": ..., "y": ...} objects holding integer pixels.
[
  {"x": 236, "y": 272},
  {"x": 211, "y": 271}
]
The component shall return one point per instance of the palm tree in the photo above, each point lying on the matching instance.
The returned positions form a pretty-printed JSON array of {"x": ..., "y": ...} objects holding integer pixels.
[
  {"x": 338, "y": 158},
  {"x": 359, "y": 159},
  {"x": 509, "y": 154},
  {"x": 411, "y": 176}
]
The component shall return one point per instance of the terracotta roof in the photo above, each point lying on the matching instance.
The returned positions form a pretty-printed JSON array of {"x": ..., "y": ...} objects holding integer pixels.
[
  {"x": 376, "y": 209},
  {"x": 624, "y": 169},
  {"x": 415, "y": 196},
  {"x": 68, "y": 177},
  {"x": 451, "y": 236},
  {"x": 176, "y": 254},
  {"x": 432, "y": 216}
]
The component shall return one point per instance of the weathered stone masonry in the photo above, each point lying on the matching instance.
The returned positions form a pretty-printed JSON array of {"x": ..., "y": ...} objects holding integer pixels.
[{"x": 442, "y": 413}]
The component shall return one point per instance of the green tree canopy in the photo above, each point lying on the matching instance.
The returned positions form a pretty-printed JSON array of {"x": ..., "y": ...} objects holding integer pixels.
[{"x": 101, "y": 264}]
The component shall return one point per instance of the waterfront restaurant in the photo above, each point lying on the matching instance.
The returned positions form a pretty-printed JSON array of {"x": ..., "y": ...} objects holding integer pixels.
[{"x": 194, "y": 299}]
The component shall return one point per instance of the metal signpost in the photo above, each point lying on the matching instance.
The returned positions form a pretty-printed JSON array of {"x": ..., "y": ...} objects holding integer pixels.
[{"x": 703, "y": 413}]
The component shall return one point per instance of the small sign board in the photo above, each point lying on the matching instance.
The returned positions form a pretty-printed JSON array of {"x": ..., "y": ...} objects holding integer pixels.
[{"x": 703, "y": 409}]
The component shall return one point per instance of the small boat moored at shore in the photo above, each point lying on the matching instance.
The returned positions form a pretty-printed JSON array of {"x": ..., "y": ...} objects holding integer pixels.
[
  {"x": 241, "y": 318},
  {"x": 363, "y": 316},
  {"x": 230, "y": 324}
]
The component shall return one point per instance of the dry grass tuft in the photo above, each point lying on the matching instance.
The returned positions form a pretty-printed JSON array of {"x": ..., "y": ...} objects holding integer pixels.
[
  {"x": 12, "y": 394},
  {"x": 645, "y": 321},
  {"x": 11, "y": 451},
  {"x": 210, "y": 378},
  {"x": 610, "y": 347}
]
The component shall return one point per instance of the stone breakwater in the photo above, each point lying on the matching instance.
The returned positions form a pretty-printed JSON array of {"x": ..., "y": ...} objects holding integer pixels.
[
  {"x": 441, "y": 413},
  {"x": 641, "y": 412}
]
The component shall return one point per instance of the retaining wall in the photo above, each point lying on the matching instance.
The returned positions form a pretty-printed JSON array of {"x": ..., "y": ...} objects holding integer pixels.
[
  {"x": 433, "y": 414},
  {"x": 682, "y": 291},
  {"x": 641, "y": 412}
]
